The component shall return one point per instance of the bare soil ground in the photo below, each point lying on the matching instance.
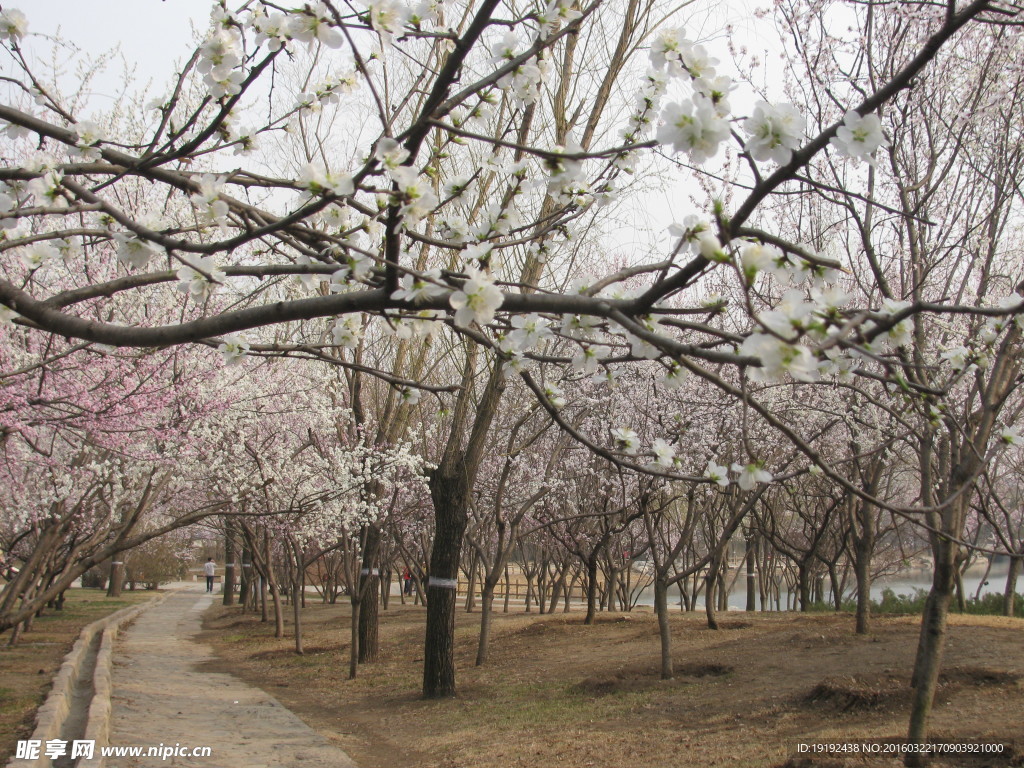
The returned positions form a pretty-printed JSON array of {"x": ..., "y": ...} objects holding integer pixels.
[
  {"x": 27, "y": 669},
  {"x": 558, "y": 693}
]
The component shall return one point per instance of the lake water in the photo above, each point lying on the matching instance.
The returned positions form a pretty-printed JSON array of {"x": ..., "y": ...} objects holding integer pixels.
[{"x": 902, "y": 584}]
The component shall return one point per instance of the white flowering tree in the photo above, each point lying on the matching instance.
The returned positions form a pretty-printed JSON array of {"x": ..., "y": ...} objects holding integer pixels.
[{"x": 470, "y": 148}]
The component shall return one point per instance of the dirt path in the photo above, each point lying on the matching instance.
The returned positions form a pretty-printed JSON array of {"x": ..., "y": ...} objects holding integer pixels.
[{"x": 162, "y": 698}]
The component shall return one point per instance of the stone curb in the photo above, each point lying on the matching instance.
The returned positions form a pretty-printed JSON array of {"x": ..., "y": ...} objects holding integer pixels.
[{"x": 54, "y": 711}]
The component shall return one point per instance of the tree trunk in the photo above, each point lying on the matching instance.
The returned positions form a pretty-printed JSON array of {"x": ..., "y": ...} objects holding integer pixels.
[
  {"x": 486, "y": 606},
  {"x": 116, "y": 578},
  {"x": 929, "y": 650},
  {"x": 591, "y": 589},
  {"x": 229, "y": 564},
  {"x": 709, "y": 595},
  {"x": 751, "y": 558},
  {"x": 353, "y": 656},
  {"x": 275, "y": 592},
  {"x": 862, "y": 571},
  {"x": 264, "y": 614},
  {"x": 803, "y": 587},
  {"x": 471, "y": 583},
  {"x": 369, "y": 589},
  {"x": 449, "y": 493},
  {"x": 369, "y": 626},
  {"x": 664, "y": 628},
  {"x": 385, "y": 589},
  {"x": 958, "y": 590},
  {"x": 297, "y": 615},
  {"x": 508, "y": 589},
  {"x": 245, "y": 579},
  {"x": 1011, "y": 586}
]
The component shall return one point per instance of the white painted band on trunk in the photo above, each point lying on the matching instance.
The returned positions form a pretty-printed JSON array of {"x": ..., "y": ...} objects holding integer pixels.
[
  {"x": 368, "y": 572},
  {"x": 443, "y": 583},
  {"x": 117, "y": 562}
]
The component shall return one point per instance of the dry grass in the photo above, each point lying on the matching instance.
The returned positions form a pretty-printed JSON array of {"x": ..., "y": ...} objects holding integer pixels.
[
  {"x": 27, "y": 669},
  {"x": 557, "y": 693}
]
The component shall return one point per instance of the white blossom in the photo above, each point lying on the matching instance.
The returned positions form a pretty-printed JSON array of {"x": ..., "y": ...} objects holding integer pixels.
[
  {"x": 133, "y": 251},
  {"x": 13, "y": 25},
  {"x": 693, "y": 126},
  {"x": 675, "y": 377},
  {"x": 956, "y": 357},
  {"x": 46, "y": 189},
  {"x": 387, "y": 17},
  {"x": 1011, "y": 435},
  {"x": 527, "y": 332},
  {"x": 211, "y": 208},
  {"x": 271, "y": 29},
  {"x": 414, "y": 289},
  {"x": 758, "y": 257},
  {"x": 313, "y": 26},
  {"x": 198, "y": 278},
  {"x": 220, "y": 54},
  {"x": 36, "y": 255},
  {"x": 626, "y": 440},
  {"x": 90, "y": 134},
  {"x": 775, "y": 132},
  {"x": 477, "y": 300},
  {"x": 717, "y": 473},
  {"x": 233, "y": 349},
  {"x": 347, "y": 331},
  {"x": 553, "y": 394},
  {"x": 664, "y": 453},
  {"x": 778, "y": 358},
  {"x": 318, "y": 181},
  {"x": 751, "y": 474},
  {"x": 587, "y": 358},
  {"x": 667, "y": 47},
  {"x": 859, "y": 137}
]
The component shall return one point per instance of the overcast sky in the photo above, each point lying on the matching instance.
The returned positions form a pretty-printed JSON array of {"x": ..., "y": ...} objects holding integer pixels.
[{"x": 151, "y": 34}]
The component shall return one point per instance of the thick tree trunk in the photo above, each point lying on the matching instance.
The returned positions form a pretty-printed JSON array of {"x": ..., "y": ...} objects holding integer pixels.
[
  {"x": 116, "y": 578},
  {"x": 449, "y": 493},
  {"x": 664, "y": 628},
  {"x": 369, "y": 589},
  {"x": 710, "y": 581},
  {"x": 591, "y": 589},
  {"x": 369, "y": 634},
  {"x": 929, "y": 650},
  {"x": 804, "y": 587}
]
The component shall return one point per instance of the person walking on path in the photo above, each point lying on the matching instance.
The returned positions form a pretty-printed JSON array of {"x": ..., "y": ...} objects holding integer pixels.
[{"x": 210, "y": 569}]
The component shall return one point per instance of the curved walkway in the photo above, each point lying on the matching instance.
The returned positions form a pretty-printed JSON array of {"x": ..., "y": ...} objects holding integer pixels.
[{"x": 161, "y": 698}]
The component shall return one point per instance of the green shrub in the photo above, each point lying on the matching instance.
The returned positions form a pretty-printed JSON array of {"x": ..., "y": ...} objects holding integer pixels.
[{"x": 988, "y": 605}]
